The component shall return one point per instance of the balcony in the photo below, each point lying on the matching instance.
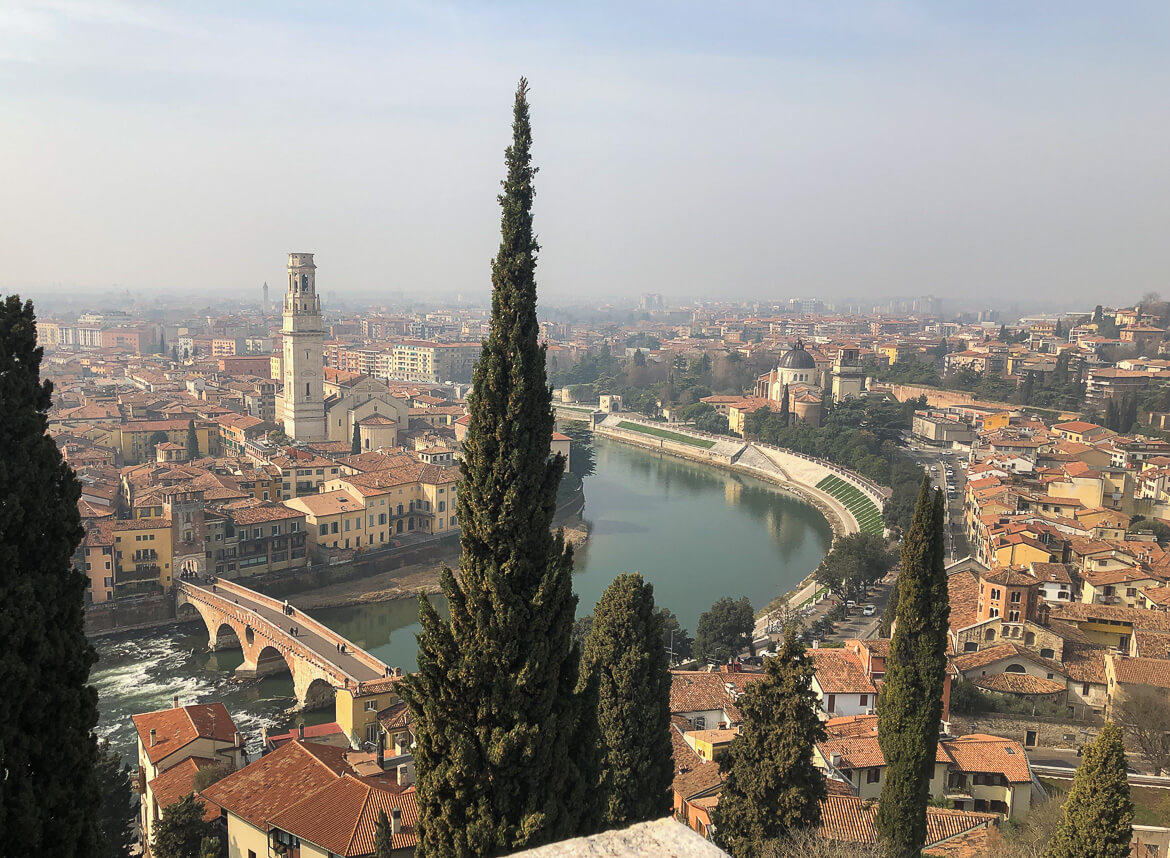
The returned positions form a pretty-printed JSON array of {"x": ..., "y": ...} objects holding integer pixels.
[{"x": 138, "y": 574}]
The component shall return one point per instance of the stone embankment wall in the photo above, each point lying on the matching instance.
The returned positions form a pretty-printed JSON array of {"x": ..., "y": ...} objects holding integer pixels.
[
  {"x": 128, "y": 614},
  {"x": 792, "y": 471}
]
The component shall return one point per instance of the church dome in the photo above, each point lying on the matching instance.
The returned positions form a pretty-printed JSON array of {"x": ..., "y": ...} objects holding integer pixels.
[{"x": 797, "y": 358}]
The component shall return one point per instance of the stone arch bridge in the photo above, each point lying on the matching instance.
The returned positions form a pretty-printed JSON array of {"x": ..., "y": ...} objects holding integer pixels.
[{"x": 239, "y": 618}]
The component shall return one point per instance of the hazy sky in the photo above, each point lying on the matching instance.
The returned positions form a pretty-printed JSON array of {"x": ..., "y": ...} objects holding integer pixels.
[{"x": 985, "y": 150}]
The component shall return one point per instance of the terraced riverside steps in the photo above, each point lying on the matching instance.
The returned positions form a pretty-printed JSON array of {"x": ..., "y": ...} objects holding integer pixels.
[{"x": 869, "y": 517}]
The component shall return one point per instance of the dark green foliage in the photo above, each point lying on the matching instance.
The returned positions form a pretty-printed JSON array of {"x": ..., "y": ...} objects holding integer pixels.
[
  {"x": 704, "y": 417},
  {"x": 674, "y": 637},
  {"x": 180, "y": 831},
  {"x": 116, "y": 814},
  {"x": 192, "y": 441},
  {"x": 383, "y": 837},
  {"x": 725, "y": 630},
  {"x": 157, "y": 438},
  {"x": 581, "y": 628},
  {"x": 355, "y": 444},
  {"x": 772, "y": 786},
  {"x": 48, "y": 793},
  {"x": 639, "y": 358},
  {"x": 582, "y": 453},
  {"x": 208, "y": 775},
  {"x": 505, "y": 749},
  {"x": 210, "y": 847},
  {"x": 855, "y": 561},
  {"x": 910, "y": 706},
  {"x": 1155, "y": 526},
  {"x": 1098, "y": 813},
  {"x": 784, "y": 407},
  {"x": 625, "y": 657}
]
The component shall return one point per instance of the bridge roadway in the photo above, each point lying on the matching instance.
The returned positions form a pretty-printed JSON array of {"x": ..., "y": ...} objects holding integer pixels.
[{"x": 261, "y": 628}]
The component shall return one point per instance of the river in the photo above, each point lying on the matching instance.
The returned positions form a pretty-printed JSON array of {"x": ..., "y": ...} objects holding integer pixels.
[{"x": 696, "y": 532}]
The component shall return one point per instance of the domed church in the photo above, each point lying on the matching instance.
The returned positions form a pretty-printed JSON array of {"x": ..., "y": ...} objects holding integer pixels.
[{"x": 798, "y": 370}]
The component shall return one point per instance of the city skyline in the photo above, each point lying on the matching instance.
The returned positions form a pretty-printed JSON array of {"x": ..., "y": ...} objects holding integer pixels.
[{"x": 752, "y": 154}]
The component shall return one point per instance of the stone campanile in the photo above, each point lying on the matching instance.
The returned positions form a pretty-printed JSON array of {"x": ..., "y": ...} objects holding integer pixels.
[{"x": 304, "y": 359}]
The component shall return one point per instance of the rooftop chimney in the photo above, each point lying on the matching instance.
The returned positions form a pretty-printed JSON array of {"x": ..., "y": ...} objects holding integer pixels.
[
  {"x": 175, "y": 701},
  {"x": 153, "y": 736},
  {"x": 381, "y": 752},
  {"x": 405, "y": 774},
  {"x": 301, "y": 732},
  {"x": 395, "y": 821},
  {"x": 239, "y": 739}
]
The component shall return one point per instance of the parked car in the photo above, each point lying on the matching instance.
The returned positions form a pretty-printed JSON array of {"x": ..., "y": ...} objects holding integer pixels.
[{"x": 868, "y": 611}]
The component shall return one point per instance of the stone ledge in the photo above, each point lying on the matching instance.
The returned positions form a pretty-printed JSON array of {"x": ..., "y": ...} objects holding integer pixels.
[{"x": 662, "y": 838}]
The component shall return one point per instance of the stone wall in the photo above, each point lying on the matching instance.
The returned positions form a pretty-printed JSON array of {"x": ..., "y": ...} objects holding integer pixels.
[
  {"x": 1050, "y": 733},
  {"x": 129, "y": 614}
]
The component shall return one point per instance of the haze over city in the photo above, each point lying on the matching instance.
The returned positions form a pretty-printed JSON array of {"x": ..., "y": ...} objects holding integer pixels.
[{"x": 982, "y": 152}]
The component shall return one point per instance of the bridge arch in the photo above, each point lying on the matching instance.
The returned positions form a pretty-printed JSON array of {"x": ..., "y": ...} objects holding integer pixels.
[{"x": 269, "y": 661}]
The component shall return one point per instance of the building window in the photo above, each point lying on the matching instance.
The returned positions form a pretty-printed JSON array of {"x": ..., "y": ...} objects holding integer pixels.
[
  {"x": 1016, "y": 596},
  {"x": 864, "y": 700},
  {"x": 322, "y": 529},
  {"x": 873, "y": 775}
]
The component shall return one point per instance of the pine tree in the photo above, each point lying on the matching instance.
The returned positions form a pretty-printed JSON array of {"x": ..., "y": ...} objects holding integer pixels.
[
  {"x": 784, "y": 406},
  {"x": 624, "y": 654},
  {"x": 116, "y": 815},
  {"x": 910, "y": 706},
  {"x": 180, "y": 831},
  {"x": 1098, "y": 813},
  {"x": 192, "y": 441},
  {"x": 504, "y": 762},
  {"x": 383, "y": 837},
  {"x": 355, "y": 445},
  {"x": 772, "y": 786},
  {"x": 48, "y": 793}
]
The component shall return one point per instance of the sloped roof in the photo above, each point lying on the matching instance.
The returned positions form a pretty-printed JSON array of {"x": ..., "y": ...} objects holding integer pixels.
[
  {"x": 177, "y": 781},
  {"x": 342, "y": 816},
  {"x": 1019, "y": 683},
  {"x": 177, "y": 728}
]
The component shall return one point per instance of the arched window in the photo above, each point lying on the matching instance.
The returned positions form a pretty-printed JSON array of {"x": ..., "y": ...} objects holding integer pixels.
[
  {"x": 1014, "y": 668},
  {"x": 989, "y": 635},
  {"x": 1029, "y": 638}
]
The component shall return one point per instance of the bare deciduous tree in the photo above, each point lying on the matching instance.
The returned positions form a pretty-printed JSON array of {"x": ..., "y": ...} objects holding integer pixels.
[{"x": 1144, "y": 713}]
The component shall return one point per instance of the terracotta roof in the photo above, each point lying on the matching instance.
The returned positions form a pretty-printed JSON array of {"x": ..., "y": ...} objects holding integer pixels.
[
  {"x": 963, "y": 592},
  {"x": 268, "y": 512},
  {"x": 312, "y": 731},
  {"x": 342, "y": 816},
  {"x": 850, "y": 819},
  {"x": 1018, "y": 683},
  {"x": 1137, "y": 617},
  {"x": 696, "y": 691},
  {"x": 273, "y": 783},
  {"x": 177, "y": 728},
  {"x": 989, "y": 754},
  {"x": 1084, "y": 663},
  {"x": 177, "y": 781},
  {"x": 1058, "y": 572},
  {"x": 1001, "y": 652},
  {"x": 1141, "y": 671},
  {"x": 1153, "y": 645},
  {"x": 1010, "y": 578},
  {"x": 839, "y": 671}
]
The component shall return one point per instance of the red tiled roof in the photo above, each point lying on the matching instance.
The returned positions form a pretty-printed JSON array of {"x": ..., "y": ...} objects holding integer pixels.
[
  {"x": 839, "y": 671},
  {"x": 989, "y": 754},
  {"x": 177, "y": 728},
  {"x": 342, "y": 816},
  {"x": 177, "y": 781},
  {"x": 261, "y": 790},
  {"x": 1141, "y": 671},
  {"x": 1019, "y": 683},
  {"x": 850, "y": 819}
]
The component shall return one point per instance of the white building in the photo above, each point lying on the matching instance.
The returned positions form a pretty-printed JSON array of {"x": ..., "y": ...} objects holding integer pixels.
[{"x": 302, "y": 406}]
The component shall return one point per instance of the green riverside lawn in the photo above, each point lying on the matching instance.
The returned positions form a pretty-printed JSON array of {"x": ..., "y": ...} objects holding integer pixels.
[{"x": 666, "y": 434}]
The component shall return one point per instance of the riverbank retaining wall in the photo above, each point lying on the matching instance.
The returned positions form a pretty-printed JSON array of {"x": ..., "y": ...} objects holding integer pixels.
[
  {"x": 773, "y": 464},
  {"x": 128, "y": 614}
]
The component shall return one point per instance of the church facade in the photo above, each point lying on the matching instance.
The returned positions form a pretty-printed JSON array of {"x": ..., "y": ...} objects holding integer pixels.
[{"x": 796, "y": 372}]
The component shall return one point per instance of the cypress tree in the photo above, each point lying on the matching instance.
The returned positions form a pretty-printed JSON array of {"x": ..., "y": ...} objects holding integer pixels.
[
  {"x": 625, "y": 656},
  {"x": 1097, "y": 817},
  {"x": 383, "y": 837},
  {"x": 772, "y": 786},
  {"x": 784, "y": 407},
  {"x": 355, "y": 445},
  {"x": 502, "y": 762},
  {"x": 48, "y": 793},
  {"x": 181, "y": 829},
  {"x": 192, "y": 441},
  {"x": 910, "y": 705},
  {"x": 116, "y": 817}
]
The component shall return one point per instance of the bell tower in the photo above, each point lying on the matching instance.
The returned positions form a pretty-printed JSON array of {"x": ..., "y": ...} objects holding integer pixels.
[{"x": 303, "y": 337}]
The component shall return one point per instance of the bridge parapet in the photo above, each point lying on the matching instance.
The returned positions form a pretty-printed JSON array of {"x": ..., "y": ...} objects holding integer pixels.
[{"x": 304, "y": 621}]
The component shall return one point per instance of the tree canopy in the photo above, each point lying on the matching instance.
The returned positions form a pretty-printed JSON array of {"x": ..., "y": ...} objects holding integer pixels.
[{"x": 725, "y": 630}]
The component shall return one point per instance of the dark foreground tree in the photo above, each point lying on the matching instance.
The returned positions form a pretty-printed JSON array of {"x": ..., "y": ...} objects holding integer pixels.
[
  {"x": 48, "y": 792},
  {"x": 910, "y": 706},
  {"x": 116, "y": 819},
  {"x": 192, "y": 441},
  {"x": 624, "y": 655},
  {"x": 383, "y": 837},
  {"x": 181, "y": 830},
  {"x": 503, "y": 760},
  {"x": 772, "y": 785},
  {"x": 355, "y": 444},
  {"x": 1098, "y": 813},
  {"x": 725, "y": 630}
]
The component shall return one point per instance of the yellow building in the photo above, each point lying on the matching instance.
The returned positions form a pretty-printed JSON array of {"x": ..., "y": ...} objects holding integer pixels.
[
  {"x": 144, "y": 555},
  {"x": 710, "y": 744},
  {"x": 356, "y": 709},
  {"x": 136, "y": 438}
]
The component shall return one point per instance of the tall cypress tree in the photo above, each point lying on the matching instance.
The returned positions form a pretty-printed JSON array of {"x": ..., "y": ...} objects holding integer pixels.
[
  {"x": 355, "y": 444},
  {"x": 501, "y": 761},
  {"x": 784, "y": 407},
  {"x": 192, "y": 440},
  {"x": 48, "y": 793},
  {"x": 910, "y": 706},
  {"x": 1098, "y": 813},
  {"x": 772, "y": 785},
  {"x": 624, "y": 655}
]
